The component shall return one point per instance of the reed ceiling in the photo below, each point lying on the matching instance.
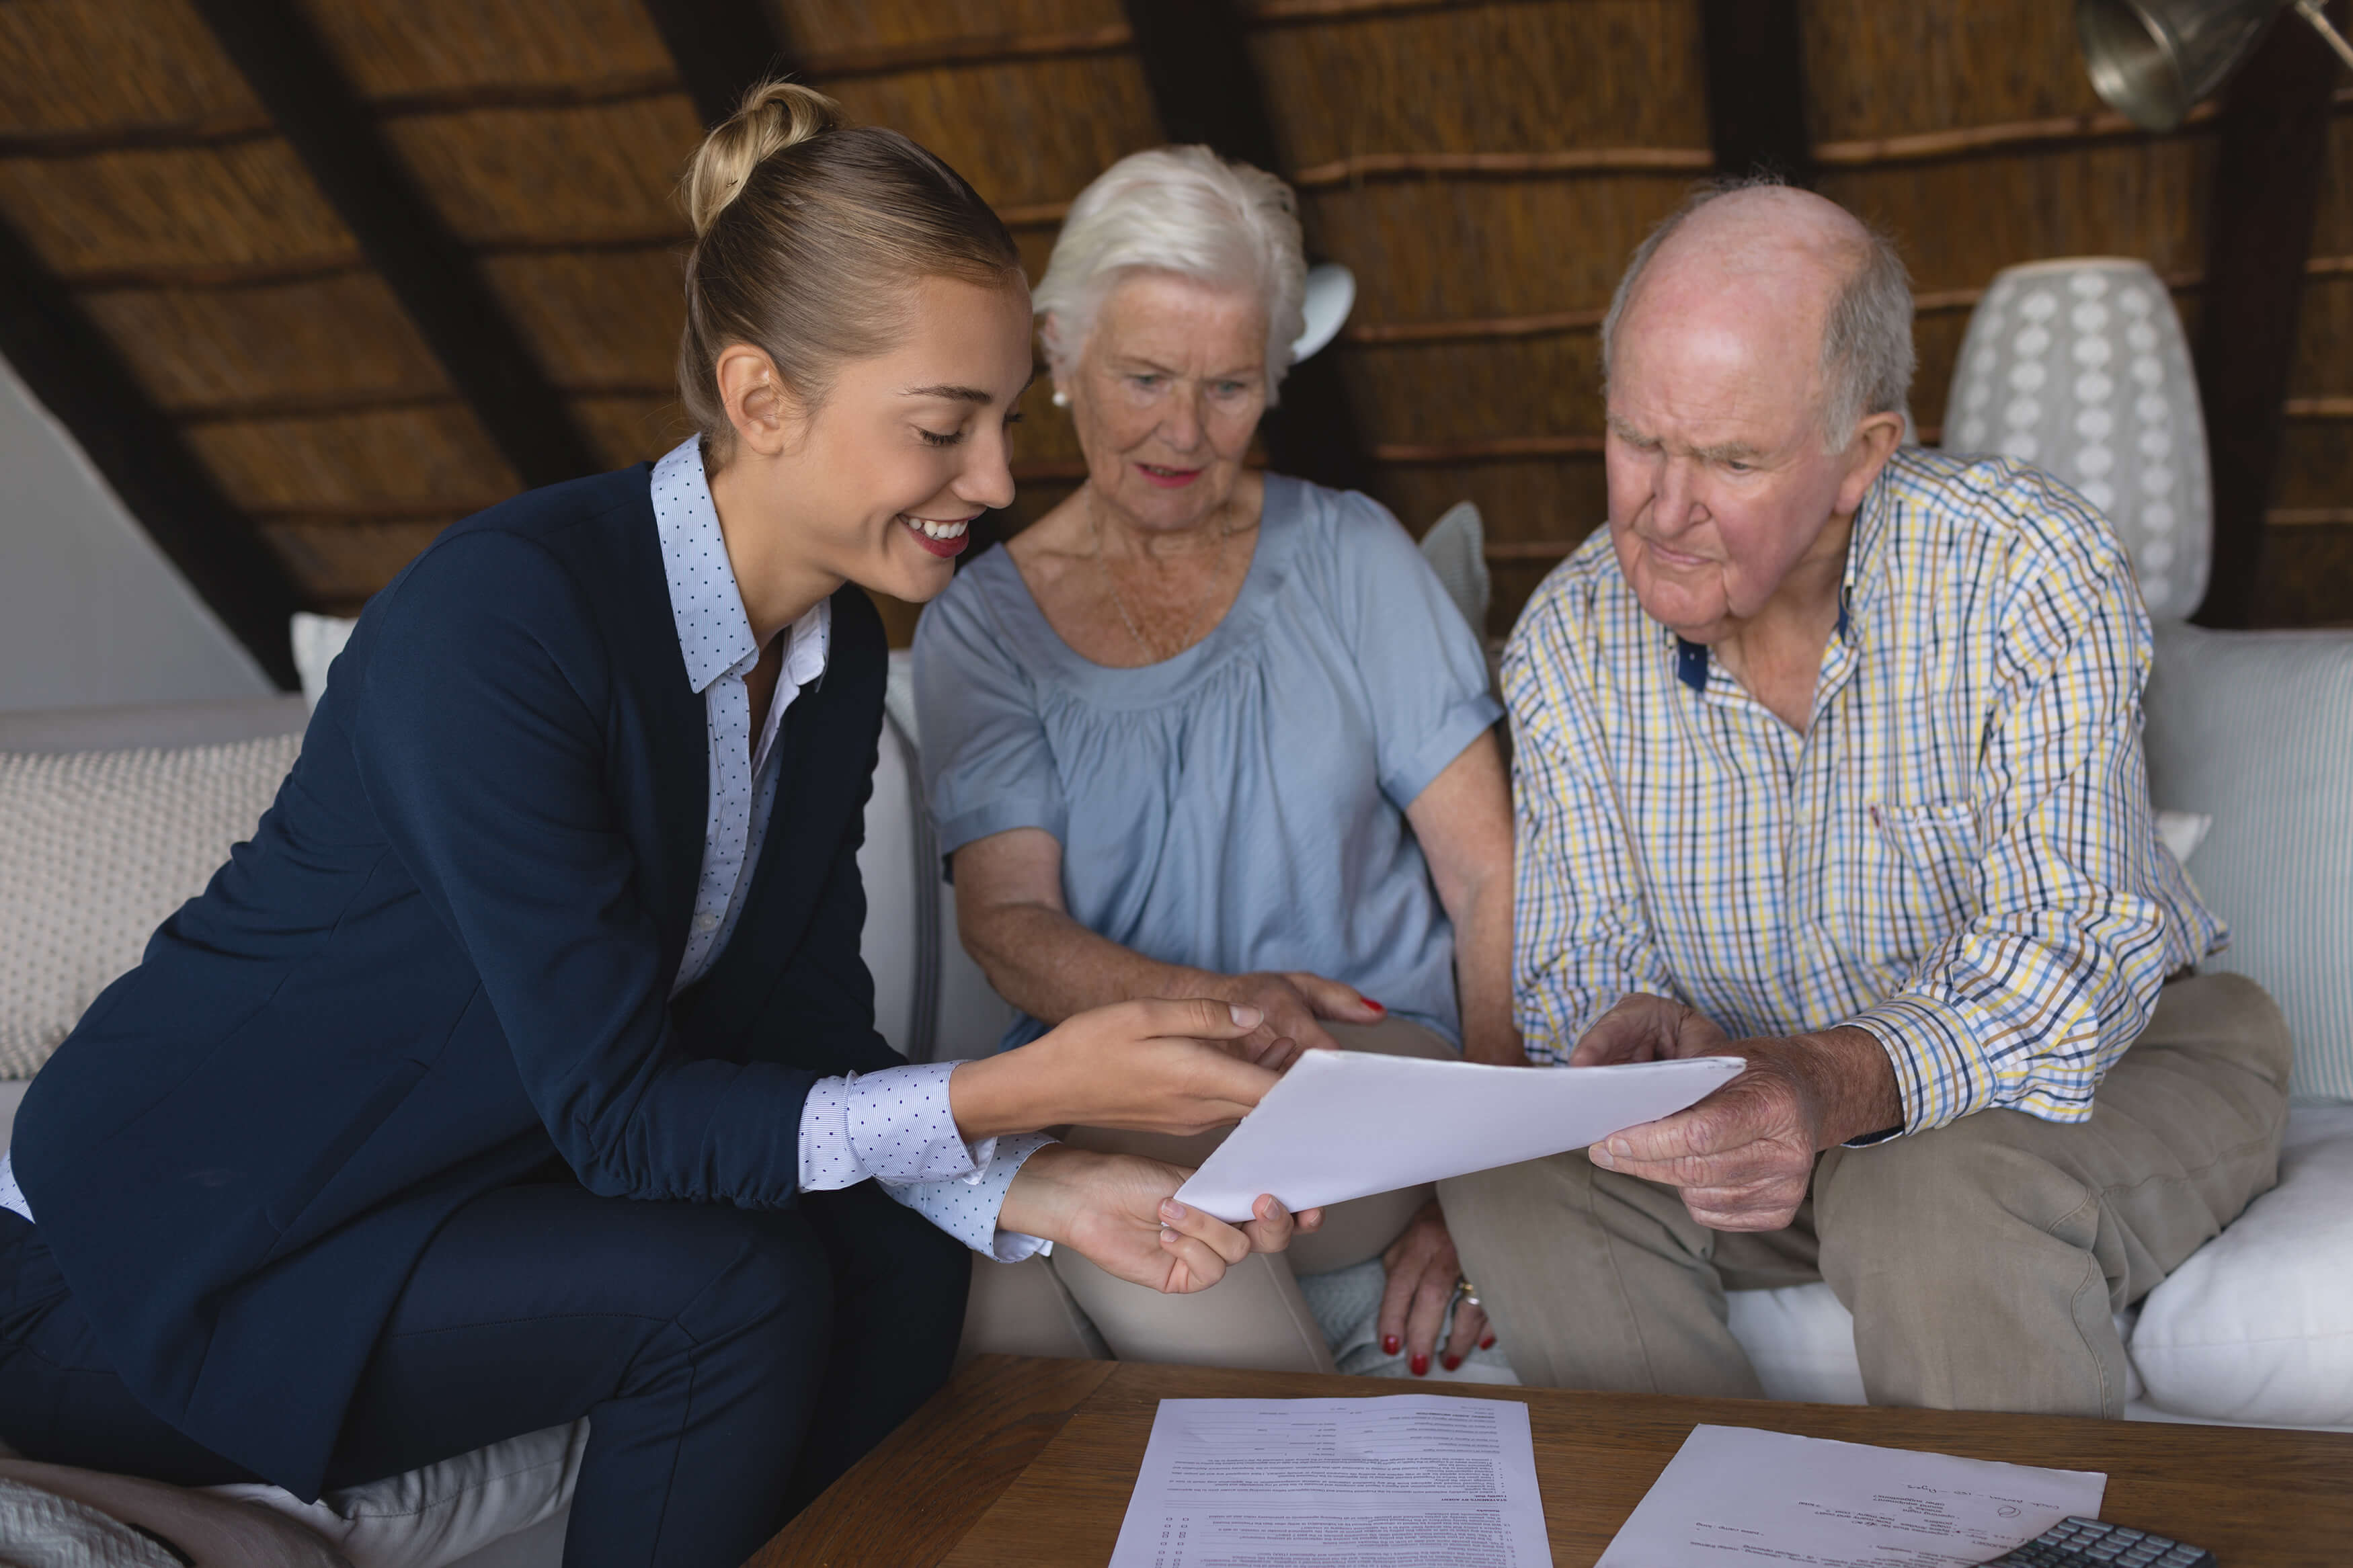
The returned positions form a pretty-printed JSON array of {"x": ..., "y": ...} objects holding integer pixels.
[{"x": 1483, "y": 167}]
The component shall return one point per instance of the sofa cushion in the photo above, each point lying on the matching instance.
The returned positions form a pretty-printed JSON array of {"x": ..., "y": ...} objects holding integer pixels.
[
  {"x": 56, "y": 1516},
  {"x": 2258, "y": 1325},
  {"x": 100, "y": 847},
  {"x": 900, "y": 870},
  {"x": 1800, "y": 1340},
  {"x": 2255, "y": 730},
  {"x": 956, "y": 1016},
  {"x": 444, "y": 1513},
  {"x": 317, "y": 640}
]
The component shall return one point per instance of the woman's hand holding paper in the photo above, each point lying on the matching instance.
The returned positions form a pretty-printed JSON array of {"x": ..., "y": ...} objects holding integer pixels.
[
  {"x": 1151, "y": 1066},
  {"x": 1120, "y": 1212}
]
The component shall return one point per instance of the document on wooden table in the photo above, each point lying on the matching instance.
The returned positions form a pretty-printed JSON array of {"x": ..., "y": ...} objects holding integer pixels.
[
  {"x": 1347, "y": 1124},
  {"x": 1412, "y": 1478},
  {"x": 1732, "y": 1494}
]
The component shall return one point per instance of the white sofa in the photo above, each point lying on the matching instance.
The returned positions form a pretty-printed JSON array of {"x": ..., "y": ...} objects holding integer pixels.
[{"x": 2256, "y": 1329}]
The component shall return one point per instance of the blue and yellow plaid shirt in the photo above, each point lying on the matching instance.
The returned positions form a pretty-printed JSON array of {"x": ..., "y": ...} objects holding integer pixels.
[{"x": 1957, "y": 855}]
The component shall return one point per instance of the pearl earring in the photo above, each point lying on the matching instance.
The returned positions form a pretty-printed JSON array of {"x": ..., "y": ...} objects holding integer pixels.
[{"x": 1062, "y": 399}]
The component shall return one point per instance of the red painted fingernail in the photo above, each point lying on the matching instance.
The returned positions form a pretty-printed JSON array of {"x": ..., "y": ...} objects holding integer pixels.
[
  {"x": 1388, "y": 1344},
  {"x": 1373, "y": 1005},
  {"x": 1488, "y": 1343},
  {"x": 1421, "y": 1366},
  {"x": 1452, "y": 1361}
]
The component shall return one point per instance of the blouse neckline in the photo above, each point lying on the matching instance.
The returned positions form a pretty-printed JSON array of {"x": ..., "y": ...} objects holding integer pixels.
[{"x": 1043, "y": 650}]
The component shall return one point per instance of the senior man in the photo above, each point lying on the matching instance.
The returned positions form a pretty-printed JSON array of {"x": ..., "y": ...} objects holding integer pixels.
[{"x": 1828, "y": 758}]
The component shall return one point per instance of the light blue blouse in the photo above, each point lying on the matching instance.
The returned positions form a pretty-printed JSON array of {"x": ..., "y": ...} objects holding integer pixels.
[{"x": 1241, "y": 806}]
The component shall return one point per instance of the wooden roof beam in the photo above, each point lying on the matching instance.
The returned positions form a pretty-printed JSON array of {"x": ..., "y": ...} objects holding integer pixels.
[
  {"x": 2271, "y": 154},
  {"x": 1757, "y": 89},
  {"x": 79, "y": 375},
  {"x": 1196, "y": 63},
  {"x": 282, "y": 57},
  {"x": 720, "y": 47}
]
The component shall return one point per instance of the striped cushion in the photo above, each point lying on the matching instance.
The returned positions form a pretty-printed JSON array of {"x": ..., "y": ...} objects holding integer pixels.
[{"x": 2255, "y": 728}]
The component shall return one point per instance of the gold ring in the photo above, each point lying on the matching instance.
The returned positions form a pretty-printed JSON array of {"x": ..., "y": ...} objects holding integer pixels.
[{"x": 1468, "y": 1291}]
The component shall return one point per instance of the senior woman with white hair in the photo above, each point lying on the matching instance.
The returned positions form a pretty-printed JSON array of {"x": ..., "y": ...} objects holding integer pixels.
[{"x": 1201, "y": 730}]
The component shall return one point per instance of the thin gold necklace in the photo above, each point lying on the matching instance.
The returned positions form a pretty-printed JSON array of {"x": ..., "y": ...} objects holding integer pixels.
[{"x": 1151, "y": 653}]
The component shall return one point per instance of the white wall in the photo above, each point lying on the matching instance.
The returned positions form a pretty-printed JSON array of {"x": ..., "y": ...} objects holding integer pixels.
[{"x": 90, "y": 611}]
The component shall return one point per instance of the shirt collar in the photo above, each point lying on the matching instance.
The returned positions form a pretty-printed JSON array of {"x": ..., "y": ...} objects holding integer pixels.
[
  {"x": 705, "y": 603},
  {"x": 1861, "y": 550}
]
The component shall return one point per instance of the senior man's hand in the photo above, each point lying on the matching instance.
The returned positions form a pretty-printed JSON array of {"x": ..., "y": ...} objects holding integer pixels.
[
  {"x": 1743, "y": 1156},
  {"x": 1645, "y": 1028}
]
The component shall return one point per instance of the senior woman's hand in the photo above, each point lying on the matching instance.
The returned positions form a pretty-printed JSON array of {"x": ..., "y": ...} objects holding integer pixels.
[
  {"x": 1423, "y": 1272},
  {"x": 1120, "y": 1212},
  {"x": 1150, "y": 1067},
  {"x": 1296, "y": 1005}
]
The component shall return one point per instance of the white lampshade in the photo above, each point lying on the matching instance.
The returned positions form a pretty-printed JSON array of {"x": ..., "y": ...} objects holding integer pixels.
[{"x": 2079, "y": 367}]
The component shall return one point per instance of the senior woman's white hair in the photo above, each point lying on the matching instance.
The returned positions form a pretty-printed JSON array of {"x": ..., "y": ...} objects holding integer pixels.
[{"x": 1182, "y": 210}]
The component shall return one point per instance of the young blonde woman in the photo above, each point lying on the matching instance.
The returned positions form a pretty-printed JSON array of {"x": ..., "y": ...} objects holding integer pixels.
[{"x": 523, "y": 1067}]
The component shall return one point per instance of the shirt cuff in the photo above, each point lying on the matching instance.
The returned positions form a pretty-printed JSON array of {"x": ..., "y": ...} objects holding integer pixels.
[
  {"x": 1939, "y": 1074},
  {"x": 11, "y": 1196},
  {"x": 894, "y": 1125},
  {"x": 968, "y": 1210}
]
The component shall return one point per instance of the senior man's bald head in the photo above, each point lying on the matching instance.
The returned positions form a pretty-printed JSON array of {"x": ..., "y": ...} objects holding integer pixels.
[
  {"x": 1758, "y": 354},
  {"x": 1818, "y": 289}
]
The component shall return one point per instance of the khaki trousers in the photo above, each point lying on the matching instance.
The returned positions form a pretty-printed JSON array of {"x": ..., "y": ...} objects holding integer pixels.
[
  {"x": 1983, "y": 1261},
  {"x": 1253, "y": 1318}
]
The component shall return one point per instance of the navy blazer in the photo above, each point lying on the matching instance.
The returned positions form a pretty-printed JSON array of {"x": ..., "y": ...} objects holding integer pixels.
[{"x": 444, "y": 958}]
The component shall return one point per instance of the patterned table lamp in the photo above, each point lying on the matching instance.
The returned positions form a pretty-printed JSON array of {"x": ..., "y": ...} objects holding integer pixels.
[{"x": 2079, "y": 367}]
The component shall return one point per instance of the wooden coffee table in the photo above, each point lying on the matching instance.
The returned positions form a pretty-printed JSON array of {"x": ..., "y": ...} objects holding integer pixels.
[{"x": 1027, "y": 1464}]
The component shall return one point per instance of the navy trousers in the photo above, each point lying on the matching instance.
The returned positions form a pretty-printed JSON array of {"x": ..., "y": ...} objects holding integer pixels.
[{"x": 732, "y": 1362}]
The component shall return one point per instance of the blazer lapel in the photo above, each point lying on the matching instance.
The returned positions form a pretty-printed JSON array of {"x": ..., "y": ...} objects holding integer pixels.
[
  {"x": 663, "y": 731},
  {"x": 828, "y": 736}
]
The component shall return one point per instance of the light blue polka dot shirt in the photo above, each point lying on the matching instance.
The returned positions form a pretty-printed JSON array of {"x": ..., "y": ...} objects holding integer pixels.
[{"x": 894, "y": 1126}]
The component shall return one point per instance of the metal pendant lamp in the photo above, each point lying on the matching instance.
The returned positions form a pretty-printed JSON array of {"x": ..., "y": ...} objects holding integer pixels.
[{"x": 2154, "y": 59}]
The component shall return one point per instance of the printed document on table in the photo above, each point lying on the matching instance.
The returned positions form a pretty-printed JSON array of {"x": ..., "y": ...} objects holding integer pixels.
[
  {"x": 1732, "y": 1495},
  {"x": 1418, "y": 1480},
  {"x": 1346, "y": 1124}
]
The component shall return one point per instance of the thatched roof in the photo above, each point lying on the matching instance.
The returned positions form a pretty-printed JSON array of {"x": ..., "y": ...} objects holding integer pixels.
[{"x": 1483, "y": 167}]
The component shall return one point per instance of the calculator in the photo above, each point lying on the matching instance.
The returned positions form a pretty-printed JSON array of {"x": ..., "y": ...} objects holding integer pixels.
[{"x": 2090, "y": 1543}]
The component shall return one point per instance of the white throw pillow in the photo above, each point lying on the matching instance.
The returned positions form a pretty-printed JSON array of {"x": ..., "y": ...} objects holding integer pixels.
[
  {"x": 2255, "y": 730},
  {"x": 2257, "y": 1327},
  {"x": 97, "y": 848},
  {"x": 1800, "y": 1340},
  {"x": 2182, "y": 832},
  {"x": 317, "y": 640},
  {"x": 1456, "y": 549},
  {"x": 444, "y": 1512}
]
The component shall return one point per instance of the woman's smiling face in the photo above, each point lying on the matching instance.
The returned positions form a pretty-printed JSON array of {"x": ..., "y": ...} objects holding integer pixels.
[
  {"x": 1166, "y": 393},
  {"x": 882, "y": 481}
]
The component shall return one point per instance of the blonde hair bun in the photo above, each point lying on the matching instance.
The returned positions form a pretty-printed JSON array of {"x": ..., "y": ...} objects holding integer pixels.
[
  {"x": 807, "y": 233},
  {"x": 775, "y": 115}
]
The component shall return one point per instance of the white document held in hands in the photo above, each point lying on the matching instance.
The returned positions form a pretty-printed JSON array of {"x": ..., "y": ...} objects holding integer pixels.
[
  {"x": 1418, "y": 1479},
  {"x": 1347, "y": 1124},
  {"x": 1734, "y": 1495}
]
